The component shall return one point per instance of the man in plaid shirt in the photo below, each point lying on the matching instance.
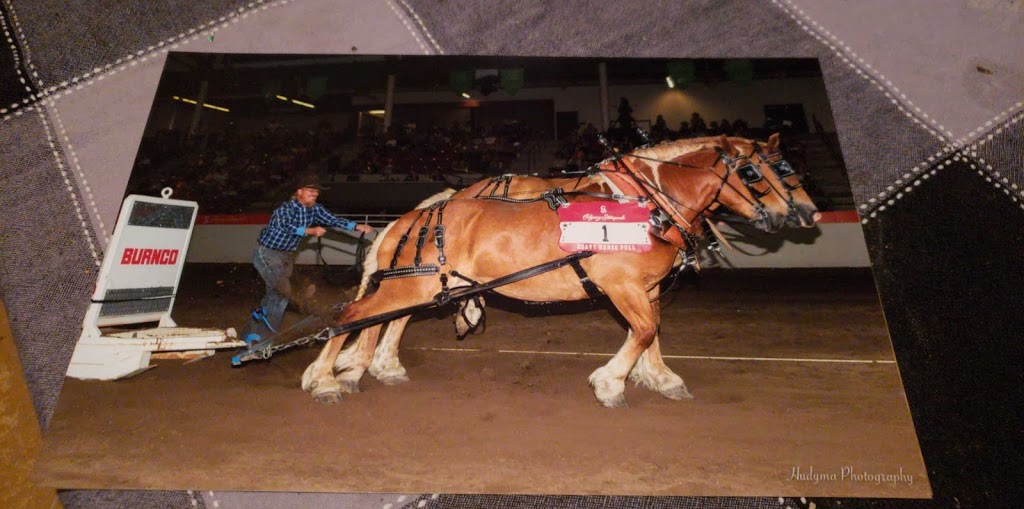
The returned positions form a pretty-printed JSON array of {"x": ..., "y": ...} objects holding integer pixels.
[{"x": 274, "y": 256}]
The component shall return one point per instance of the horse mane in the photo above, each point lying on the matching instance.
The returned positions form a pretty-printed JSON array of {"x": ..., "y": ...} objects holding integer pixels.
[{"x": 667, "y": 150}]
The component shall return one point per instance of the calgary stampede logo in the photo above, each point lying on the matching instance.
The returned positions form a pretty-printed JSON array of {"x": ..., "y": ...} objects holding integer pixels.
[{"x": 605, "y": 216}]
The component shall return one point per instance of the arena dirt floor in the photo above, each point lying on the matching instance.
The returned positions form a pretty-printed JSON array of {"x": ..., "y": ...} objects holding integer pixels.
[{"x": 796, "y": 394}]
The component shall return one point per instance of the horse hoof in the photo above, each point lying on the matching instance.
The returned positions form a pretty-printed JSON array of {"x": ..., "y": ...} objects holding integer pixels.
[
  {"x": 615, "y": 402},
  {"x": 349, "y": 386},
  {"x": 328, "y": 397},
  {"x": 677, "y": 393},
  {"x": 393, "y": 379}
]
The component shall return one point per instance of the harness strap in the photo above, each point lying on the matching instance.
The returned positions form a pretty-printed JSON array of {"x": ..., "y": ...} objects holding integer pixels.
[
  {"x": 445, "y": 295},
  {"x": 555, "y": 198},
  {"x": 588, "y": 285},
  {"x": 404, "y": 239},
  {"x": 407, "y": 271},
  {"x": 439, "y": 233},
  {"x": 493, "y": 186},
  {"x": 421, "y": 238}
]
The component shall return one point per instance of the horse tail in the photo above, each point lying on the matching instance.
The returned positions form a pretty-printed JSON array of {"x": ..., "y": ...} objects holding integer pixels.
[{"x": 370, "y": 262}]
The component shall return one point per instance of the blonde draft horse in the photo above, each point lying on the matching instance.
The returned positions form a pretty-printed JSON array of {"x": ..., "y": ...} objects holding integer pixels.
[
  {"x": 783, "y": 198},
  {"x": 790, "y": 202},
  {"x": 488, "y": 240}
]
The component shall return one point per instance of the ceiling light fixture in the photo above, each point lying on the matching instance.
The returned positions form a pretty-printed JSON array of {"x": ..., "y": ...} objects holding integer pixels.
[{"x": 205, "y": 105}]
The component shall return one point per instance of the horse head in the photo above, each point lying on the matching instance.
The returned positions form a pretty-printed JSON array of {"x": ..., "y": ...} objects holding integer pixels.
[
  {"x": 786, "y": 183},
  {"x": 741, "y": 158},
  {"x": 702, "y": 179},
  {"x": 770, "y": 209}
]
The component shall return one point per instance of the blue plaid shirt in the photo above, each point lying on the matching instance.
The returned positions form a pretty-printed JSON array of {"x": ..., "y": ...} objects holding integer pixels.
[{"x": 289, "y": 221}]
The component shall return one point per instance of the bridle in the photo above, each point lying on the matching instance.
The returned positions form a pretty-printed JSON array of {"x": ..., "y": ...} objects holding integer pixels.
[{"x": 782, "y": 170}]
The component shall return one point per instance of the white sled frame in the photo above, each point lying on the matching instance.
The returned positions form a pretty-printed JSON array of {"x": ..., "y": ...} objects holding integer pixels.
[{"x": 137, "y": 283}]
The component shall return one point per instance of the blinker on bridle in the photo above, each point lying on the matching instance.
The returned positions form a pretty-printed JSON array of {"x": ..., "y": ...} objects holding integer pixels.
[
  {"x": 747, "y": 172},
  {"x": 780, "y": 167}
]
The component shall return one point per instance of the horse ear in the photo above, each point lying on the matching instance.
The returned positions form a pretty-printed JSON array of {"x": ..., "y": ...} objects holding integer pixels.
[{"x": 773, "y": 143}]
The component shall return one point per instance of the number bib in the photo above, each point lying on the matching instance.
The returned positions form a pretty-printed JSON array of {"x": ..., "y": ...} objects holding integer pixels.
[{"x": 604, "y": 227}]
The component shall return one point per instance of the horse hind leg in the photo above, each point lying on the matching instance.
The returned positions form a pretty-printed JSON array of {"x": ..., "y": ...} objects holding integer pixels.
[
  {"x": 609, "y": 381},
  {"x": 318, "y": 379},
  {"x": 352, "y": 360},
  {"x": 385, "y": 365},
  {"x": 651, "y": 371}
]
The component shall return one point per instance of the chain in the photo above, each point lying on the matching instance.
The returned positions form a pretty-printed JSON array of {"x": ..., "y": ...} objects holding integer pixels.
[{"x": 268, "y": 351}]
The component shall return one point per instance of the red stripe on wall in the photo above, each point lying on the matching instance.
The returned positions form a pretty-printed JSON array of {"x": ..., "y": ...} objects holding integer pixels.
[
  {"x": 840, "y": 216},
  {"x": 233, "y": 219}
]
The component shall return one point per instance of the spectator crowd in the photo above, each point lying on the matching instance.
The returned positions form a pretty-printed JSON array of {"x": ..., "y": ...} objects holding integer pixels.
[{"x": 228, "y": 171}]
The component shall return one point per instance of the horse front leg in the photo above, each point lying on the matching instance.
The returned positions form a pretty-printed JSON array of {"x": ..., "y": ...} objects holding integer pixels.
[
  {"x": 385, "y": 366},
  {"x": 650, "y": 369},
  {"x": 609, "y": 381},
  {"x": 651, "y": 372}
]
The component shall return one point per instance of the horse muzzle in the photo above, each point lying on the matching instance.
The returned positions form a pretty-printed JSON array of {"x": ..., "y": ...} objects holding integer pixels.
[
  {"x": 764, "y": 221},
  {"x": 804, "y": 217}
]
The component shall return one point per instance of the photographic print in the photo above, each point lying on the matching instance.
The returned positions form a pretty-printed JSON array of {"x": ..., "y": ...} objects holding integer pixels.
[{"x": 494, "y": 275}]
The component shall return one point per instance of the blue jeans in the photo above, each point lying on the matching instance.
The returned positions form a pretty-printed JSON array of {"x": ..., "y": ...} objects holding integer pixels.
[{"x": 275, "y": 267}]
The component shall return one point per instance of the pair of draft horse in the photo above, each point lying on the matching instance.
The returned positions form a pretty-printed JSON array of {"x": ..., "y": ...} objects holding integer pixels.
[{"x": 680, "y": 181}]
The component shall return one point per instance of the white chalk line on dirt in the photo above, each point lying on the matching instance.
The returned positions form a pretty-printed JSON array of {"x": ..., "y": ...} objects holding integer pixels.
[{"x": 685, "y": 357}]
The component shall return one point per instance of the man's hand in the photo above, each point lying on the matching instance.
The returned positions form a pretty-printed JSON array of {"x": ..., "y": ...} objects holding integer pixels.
[
  {"x": 364, "y": 228},
  {"x": 316, "y": 231}
]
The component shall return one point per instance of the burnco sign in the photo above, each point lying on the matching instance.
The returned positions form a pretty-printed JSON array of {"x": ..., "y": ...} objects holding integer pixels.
[{"x": 140, "y": 275}]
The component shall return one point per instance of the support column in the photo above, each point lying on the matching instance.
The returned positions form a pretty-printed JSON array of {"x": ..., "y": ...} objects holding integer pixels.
[
  {"x": 389, "y": 101},
  {"x": 174, "y": 115},
  {"x": 197, "y": 114},
  {"x": 602, "y": 72}
]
